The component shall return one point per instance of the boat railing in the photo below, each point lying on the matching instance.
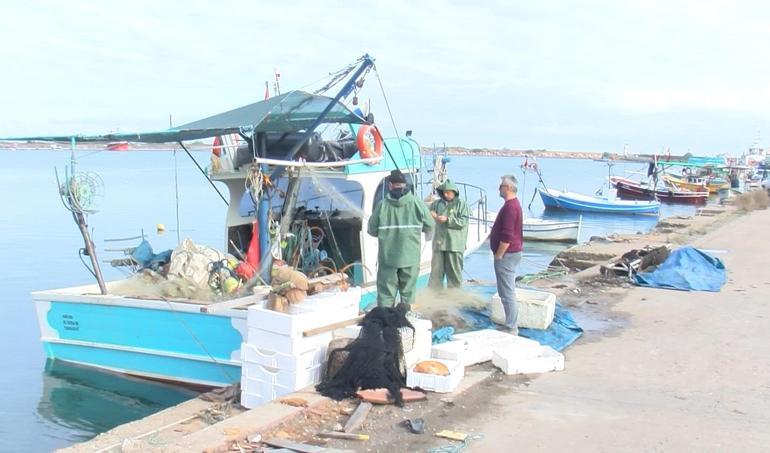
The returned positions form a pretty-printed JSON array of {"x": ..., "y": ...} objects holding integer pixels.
[{"x": 476, "y": 198}]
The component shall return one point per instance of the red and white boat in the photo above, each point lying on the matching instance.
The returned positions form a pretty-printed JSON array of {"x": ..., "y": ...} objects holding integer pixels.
[
  {"x": 634, "y": 190},
  {"x": 117, "y": 146}
]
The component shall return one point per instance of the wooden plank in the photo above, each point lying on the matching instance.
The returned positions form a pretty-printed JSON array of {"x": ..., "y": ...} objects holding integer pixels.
[
  {"x": 302, "y": 448},
  {"x": 346, "y": 436},
  {"x": 336, "y": 325},
  {"x": 259, "y": 295},
  {"x": 358, "y": 417}
]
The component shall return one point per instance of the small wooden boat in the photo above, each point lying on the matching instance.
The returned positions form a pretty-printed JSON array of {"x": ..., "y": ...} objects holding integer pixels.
[
  {"x": 609, "y": 205},
  {"x": 536, "y": 229},
  {"x": 552, "y": 230},
  {"x": 634, "y": 190}
]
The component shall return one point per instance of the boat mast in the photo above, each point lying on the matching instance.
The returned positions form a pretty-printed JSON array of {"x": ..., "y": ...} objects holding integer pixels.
[{"x": 292, "y": 190}]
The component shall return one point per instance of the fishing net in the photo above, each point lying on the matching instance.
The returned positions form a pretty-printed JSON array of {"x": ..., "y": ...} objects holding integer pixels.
[{"x": 373, "y": 360}]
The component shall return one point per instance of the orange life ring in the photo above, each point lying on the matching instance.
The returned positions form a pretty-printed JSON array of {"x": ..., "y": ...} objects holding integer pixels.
[
  {"x": 369, "y": 147},
  {"x": 216, "y": 147}
]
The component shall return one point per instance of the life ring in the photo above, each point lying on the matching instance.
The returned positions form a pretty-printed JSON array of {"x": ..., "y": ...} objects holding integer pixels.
[
  {"x": 366, "y": 149},
  {"x": 216, "y": 147}
]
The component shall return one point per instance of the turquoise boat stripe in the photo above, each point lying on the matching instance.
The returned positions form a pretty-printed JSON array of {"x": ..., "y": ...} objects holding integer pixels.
[{"x": 162, "y": 330}]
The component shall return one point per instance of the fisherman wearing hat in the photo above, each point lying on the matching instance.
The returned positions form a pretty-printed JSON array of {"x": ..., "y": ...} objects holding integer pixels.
[
  {"x": 398, "y": 222},
  {"x": 451, "y": 216}
]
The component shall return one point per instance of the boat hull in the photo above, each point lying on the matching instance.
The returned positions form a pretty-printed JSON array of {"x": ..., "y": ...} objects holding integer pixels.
[
  {"x": 630, "y": 191},
  {"x": 574, "y": 202},
  {"x": 175, "y": 342},
  {"x": 550, "y": 231}
]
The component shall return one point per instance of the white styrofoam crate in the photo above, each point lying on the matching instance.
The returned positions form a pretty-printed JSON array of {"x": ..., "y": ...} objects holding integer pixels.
[
  {"x": 480, "y": 344},
  {"x": 289, "y": 362},
  {"x": 435, "y": 383},
  {"x": 347, "y": 332},
  {"x": 450, "y": 350},
  {"x": 295, "y": 344},
  {"x": 304, "y": 316},
  {"x": 255, "y": 393},
  {"x": 251, "y": 401},
  {"x": 332, "y": 300},
  {"x": 292, "y": 380},
  {"x": 535, "y": 308},
  {"x": 524, "y": 361},
  {"x": 420, "y": 351}
]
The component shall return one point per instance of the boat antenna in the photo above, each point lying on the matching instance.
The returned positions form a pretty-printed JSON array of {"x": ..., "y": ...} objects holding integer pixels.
[
  {"x": 176, "y": 186},
  {"x": 78, "y": 194}
]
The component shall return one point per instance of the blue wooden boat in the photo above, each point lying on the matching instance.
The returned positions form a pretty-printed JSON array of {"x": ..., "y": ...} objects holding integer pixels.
[
  {"x": 198, "y": 342},
  {"x": 555, "y": 199}
]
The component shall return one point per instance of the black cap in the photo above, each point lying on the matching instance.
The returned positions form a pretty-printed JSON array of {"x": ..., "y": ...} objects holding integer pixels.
[{"x": 396, "y": 177}]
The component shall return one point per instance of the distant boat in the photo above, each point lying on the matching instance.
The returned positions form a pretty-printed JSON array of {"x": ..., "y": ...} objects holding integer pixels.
[
  {"x": 634, "y": 190},
  {"x": 117, "y": 146},
  {"x": 583, "y": 203},
  {"x": 536, "y": 229},
  {"x": 551, "y": 230}
]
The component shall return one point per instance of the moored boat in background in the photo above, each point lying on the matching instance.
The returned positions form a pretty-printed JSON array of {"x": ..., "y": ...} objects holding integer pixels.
[
  {"x": 634, "y": 190},
  {"x": 556, "y": 199}
]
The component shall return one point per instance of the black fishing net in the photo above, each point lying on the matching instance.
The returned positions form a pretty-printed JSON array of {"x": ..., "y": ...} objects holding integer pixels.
[{"x": 373, "y": 360}]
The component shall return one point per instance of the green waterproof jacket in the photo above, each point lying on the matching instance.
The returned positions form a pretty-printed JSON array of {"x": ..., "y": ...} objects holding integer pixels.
[
  {"x": 398, "y": 224},
  {"x": 451, "y": 236}
]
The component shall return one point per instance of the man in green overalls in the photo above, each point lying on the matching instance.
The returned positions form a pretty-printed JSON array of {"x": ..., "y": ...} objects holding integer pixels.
[
  {"x": 397, "y": 222},
  {"x": 451, "y": 215}
]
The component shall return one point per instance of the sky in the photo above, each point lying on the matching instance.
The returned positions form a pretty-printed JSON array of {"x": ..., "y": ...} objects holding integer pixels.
[{"x": 689, "y": 76}]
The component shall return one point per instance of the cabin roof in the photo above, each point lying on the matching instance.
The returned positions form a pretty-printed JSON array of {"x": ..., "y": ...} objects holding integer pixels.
[{"x": 289, "y": 112}]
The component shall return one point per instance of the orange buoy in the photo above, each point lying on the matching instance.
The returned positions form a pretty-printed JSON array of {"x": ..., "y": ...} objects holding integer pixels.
[{"x": 369, "y": 141}]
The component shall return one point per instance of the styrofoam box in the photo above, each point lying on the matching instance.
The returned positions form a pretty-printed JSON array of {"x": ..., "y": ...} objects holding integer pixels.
[
  {"x": 292, "y": 380},
  {"x": 285, "y": 344},
  {"x": 450, "y": 350},
  {"x": 536, "y": 308},
  {"x": 523, "y": 361},
  {"x": 317, "y": 310},
  {"x": 289, "y": 362},
  {"x": 481, "y": 343},
  {"x": 256, "y": 393},
  {"x": 434, "y": 383},
  {"x": 347, "y": 332},
  {"x": 332, "y": 299},
  {"x": 421, "y": 349},
  {"x": 251, "y": 401}
]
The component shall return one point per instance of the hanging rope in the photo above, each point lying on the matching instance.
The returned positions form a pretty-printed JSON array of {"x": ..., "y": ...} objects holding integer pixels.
[{"x": 203, "y": 172}]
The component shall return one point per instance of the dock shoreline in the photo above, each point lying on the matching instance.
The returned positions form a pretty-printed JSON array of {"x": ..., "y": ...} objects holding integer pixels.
[{"x": 592, "y": 299}]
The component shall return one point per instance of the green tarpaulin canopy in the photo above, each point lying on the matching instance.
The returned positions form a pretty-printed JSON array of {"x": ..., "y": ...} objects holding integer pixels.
[{"x": 289, "y": 112}]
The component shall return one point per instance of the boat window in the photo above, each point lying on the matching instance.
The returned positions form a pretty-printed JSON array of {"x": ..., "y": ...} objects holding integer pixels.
[{"x": 326, "y": 194}]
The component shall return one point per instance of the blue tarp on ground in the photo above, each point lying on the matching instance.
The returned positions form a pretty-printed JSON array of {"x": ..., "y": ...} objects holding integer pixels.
[
  {"x": 686, "y": 269},
  {"x": 562, "y": 332}
]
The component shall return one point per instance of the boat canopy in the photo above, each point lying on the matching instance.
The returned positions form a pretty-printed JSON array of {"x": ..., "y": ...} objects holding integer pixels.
[{"x": 289, "y": 112}]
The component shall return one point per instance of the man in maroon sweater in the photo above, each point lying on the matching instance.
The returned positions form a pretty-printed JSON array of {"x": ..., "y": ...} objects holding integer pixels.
[{"x": 505, "y": 240}]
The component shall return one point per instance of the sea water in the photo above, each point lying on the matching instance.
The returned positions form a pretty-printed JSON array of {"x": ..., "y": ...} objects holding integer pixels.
[{"x": 51, "y": 405}]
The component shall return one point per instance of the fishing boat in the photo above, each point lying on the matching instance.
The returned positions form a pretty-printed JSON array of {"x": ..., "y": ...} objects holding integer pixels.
[
  {"x": 633, "y": 190},
  {"x": 551, "y": 230},
  {"x": 544, "y": 230},
  {"x": 117, "y": 146},
  {"x": 555, "y": 199},
  {"x": 293, "y": 194}
]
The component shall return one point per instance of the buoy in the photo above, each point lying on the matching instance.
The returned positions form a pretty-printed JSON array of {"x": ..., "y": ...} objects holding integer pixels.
[
  {"x": 230, "y": 284},
  {"x": 369, "y": 142},
  {"x": 160, "y": 227}
]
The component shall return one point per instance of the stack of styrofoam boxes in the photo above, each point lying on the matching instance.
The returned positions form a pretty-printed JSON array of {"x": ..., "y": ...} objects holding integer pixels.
[
  {"x": 277, "y": 359},
  {"x": 480, "y": 344},
  {"x": 536, "y": 308},
  {"x": 436, "y": 383}
]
